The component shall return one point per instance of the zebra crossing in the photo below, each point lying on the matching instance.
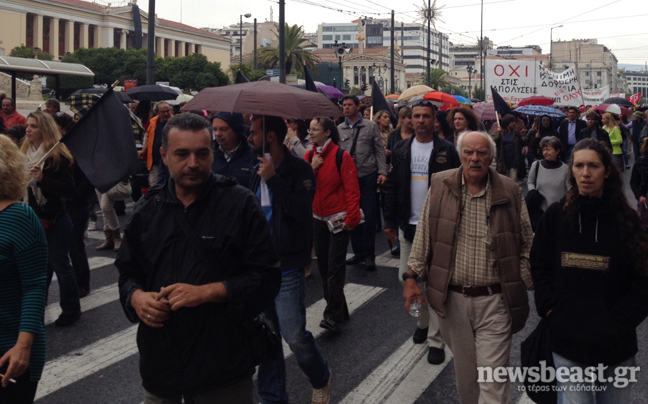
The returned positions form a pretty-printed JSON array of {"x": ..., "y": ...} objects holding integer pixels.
[{"x": 402, "y": 375}]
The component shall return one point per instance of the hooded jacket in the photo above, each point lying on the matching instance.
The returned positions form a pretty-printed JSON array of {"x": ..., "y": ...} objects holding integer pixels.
[
  {"x": 201, "y": 348},
  {"x": 598, "y": 297},
  {"x": 240, "y": 164}
]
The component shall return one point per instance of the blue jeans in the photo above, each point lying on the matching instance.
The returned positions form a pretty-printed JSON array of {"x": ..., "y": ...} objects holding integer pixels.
[
  {"x": 624, "y": 149},
  {"x": 363, "y": 237},
  {"x": 575, "y": 393},
  {"x": 79, "y": 215},
  {"x": 58, "y": 239},
  {"x": 290, "y": 315}
]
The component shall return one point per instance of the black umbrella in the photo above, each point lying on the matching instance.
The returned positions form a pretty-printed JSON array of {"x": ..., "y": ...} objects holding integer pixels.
[
  {"x": 123, "y": 97},
  {"x": 618, "y": 101},
  {"x": 152, "y": 92}
]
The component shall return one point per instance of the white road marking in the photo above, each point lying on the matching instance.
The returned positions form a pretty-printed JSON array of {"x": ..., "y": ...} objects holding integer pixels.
[
  {"x": 94, "y": 263},
  {"x": 95, "y": 299},
  {"x": 83, "y": 362},
  {"x": 400, "y": 379}
]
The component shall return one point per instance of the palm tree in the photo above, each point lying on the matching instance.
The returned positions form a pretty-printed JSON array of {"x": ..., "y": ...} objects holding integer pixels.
[
  {"x": 438, "y": 79},
  {"x": 296, "y": 56}
]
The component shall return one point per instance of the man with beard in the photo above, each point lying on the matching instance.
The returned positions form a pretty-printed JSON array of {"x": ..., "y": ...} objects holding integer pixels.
[{"x": 193, "y": 314}]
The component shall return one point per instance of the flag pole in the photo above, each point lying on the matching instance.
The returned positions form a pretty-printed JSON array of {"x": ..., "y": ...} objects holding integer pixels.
[{"x": 57, "y": 144}]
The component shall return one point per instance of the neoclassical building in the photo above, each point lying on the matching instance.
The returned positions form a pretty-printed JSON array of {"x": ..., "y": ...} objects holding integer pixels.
[{"x": 62, "y": 26}]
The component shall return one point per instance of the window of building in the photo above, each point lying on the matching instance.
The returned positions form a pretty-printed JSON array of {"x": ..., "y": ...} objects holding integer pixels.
[
  {"x": 337, "y": 37},
  {"x": 355, "y": 76},
  {"x": 327, "y": 37},
  {"x": 346, "y": 37}
]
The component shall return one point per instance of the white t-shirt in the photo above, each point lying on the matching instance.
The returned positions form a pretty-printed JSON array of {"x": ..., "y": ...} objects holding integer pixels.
[{"x": 421, "y": 154}]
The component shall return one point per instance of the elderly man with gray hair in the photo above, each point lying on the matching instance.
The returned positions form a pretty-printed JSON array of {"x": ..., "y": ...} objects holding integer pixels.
[{"x": 472, "y": 247}]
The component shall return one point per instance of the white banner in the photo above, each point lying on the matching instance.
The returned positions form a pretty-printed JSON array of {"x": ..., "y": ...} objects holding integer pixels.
[
  {"x": 515, "y": 80},
  {"x": 595, "y": 96},
  {"x": 619, "y": 95}
]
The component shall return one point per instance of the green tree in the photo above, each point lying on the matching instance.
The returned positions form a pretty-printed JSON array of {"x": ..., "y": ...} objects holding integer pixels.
[
  {"x": 248, "y": 71},
  {"x": 69, "y": 84},
  {"x": 454, "y": 90},
  {"x": 438, "y": 79},
  {"x": 355, "y": 91},
  {"x": 478, "y": 93},
  {"x": 193, "y": 72},
  {"x": 296, "y": 56},
  {"x": 29, "y": 53}
]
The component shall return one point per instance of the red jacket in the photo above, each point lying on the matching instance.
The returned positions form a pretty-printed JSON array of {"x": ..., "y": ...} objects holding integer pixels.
[{"x": 335, "y": 191}]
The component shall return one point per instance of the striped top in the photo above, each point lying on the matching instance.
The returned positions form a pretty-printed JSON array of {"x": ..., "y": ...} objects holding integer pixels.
[{"x": 23, "y": 277}]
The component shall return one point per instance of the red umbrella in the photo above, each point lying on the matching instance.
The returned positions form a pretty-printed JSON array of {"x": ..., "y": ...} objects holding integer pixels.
[
  {"x": 447, "y": 100},
  {"x": 537, "y": 100}
]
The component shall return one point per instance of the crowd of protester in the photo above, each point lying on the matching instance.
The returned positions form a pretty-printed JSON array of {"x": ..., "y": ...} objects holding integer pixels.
[{"x": 314, "y": 186}]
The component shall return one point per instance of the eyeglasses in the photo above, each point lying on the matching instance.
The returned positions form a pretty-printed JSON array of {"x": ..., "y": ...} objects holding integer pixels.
[{"x": 424, "y": 103}]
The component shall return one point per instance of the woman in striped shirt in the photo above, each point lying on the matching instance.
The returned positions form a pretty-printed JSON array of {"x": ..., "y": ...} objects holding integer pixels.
[{"x": 23, "y": 282}]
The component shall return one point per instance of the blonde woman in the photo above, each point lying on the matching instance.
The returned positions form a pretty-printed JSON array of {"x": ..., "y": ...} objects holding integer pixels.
[
  {"x": 51, "y": 182},
  {"x": 23, "y": 282},
  {"x": 383, "y": 121},
  {"x": 612, "y": 128}
]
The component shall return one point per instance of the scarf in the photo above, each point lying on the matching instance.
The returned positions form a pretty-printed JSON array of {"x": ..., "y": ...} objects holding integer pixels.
[
  {"x": 321, "y": 149},
  {"x": 33, "y": 156}
]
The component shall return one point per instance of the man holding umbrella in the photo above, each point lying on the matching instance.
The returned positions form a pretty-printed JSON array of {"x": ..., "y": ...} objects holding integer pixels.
[{"x": 285, "y": 186}]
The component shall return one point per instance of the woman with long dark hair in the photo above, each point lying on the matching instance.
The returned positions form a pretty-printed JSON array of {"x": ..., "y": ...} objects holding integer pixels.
[
  {"x": 461, "y": 119},
  {"x": 50, "y": 183},
  {"x": 441, "y": 125},
  {"x": 336, "y": 211},
  {"x": 589, "y": 262}
]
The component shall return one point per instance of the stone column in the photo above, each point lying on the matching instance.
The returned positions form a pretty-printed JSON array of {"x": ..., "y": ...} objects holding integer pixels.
[
  {"x": 159, "y": 46},
  {"x": 123, "y": 39},
  {"x": 35, "y": 89},
  {"x": 38, "y": 31},
  {"x": 190, "y": 49},
  {"x": 84, "y": 39},
  {"x": 54, "y": 38},
  {"x": 69, "y": 36},
  {"x": 181, "y": 49},
  {"x": 172, "y": 44}
]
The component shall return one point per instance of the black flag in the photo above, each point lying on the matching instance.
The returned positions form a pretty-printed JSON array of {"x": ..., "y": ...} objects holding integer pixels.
[
  {"x": 500, "y": 105},
  {"x": 310, "y": 84},
  {"x": 380, "y": 103},
  {"x": 240, "y": 78},
  {"x": 103, "y": 143}
]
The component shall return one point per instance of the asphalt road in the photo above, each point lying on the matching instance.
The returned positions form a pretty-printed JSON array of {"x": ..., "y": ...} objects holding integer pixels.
[{"x": 373, "y": 359}]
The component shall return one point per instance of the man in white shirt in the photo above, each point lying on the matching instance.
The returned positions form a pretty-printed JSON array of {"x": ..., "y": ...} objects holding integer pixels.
[{"x": 414, "y": 161}]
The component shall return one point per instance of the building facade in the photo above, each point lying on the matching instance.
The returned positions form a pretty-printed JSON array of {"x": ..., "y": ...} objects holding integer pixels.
[
  {"x": 596, "y": 64},
  {"x": 637, "y": 82},
  {"x": 410, "y": 40},
  {"x": 63, "y": 26},
  {"x": 244, "y": 34}
]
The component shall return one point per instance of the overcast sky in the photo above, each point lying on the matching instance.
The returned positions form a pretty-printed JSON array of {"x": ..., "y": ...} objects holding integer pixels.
[{"x": 618, "y": 24}]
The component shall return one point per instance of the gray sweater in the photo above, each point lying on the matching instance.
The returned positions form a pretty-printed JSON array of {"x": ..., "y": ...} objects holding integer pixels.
[{"x": 552, "y": 183}]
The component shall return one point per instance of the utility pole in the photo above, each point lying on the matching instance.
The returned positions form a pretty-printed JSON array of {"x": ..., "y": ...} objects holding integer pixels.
[
  {"x": 429, "y": 18},
  {"x": 255, "y": 44},
  {"x": 482, "y": 79},
  {"x": 150, "y": 52},
  {"x": 282, "y": 41},
  {"x": 391, "y": 90}
]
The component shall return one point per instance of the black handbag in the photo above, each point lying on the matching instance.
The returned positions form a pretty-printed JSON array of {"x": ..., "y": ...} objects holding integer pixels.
[
  {"x": 534, "y": 349},
  {"x": 262, "y": 339}
]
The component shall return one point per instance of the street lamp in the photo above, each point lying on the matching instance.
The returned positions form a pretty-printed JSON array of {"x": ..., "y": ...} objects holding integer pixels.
[
  {"x": 340, "y": 51},
  {"x": 470, "y": 72},
  {"x": 551, "y": 46},
  {"x": 248, "y": 15}
]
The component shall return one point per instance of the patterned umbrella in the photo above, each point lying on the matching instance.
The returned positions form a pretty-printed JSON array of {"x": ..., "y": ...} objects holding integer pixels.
[
  {"x": 539, "y": 110},
  {"x": 537, "y": 100},
  {"x": 462, "y": 99}
]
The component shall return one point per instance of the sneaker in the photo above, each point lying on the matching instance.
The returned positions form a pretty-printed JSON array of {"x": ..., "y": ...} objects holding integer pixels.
[
  {"x": 436, "y": 356},
  {"x": 323, "y": 395},
  {"x": 420, "y": 335},
  {"x": 328, "y": 324},
  {"x": 92, "y": 226},
  {"x": 67, "y": 319}
]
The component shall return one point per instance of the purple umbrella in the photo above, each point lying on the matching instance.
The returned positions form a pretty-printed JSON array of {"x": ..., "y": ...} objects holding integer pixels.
[{"x": 330, "y": 91}]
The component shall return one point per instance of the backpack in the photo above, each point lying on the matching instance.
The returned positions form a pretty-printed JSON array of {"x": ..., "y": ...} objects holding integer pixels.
[{"x": 338, "y": 158}]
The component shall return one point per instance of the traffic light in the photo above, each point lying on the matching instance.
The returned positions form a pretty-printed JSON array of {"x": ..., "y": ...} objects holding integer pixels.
[{"x": 364, "y": 87}]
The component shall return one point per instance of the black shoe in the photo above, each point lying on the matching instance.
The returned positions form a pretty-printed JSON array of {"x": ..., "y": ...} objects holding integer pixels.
[
  {"x": 436, "y": 356},
  {"x": 396, "y": 252},
  {"x": 370, "y": 263},
  {"x": 420, "y": 335},
  {"x": 356, "y": 259},
  {"x": 83, "y": 292},
  {"x": 328, "y": 324},
  {"x": 67, "y": 319}
]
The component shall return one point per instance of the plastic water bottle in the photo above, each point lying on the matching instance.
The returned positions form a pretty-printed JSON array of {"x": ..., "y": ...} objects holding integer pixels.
[{"x": 415, "y": 307}]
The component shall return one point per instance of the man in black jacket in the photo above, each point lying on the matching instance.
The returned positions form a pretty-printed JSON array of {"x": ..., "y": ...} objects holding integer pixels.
[
  {"x": 194, "y": 315},
  {"x": 285, "y": 187},
  {"x": 414, "y": 160},
  {"x": 569, "y": 130}
]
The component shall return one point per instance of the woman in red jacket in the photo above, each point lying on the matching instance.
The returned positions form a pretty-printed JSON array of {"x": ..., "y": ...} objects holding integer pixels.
[{"x": 336, "y": 211}]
